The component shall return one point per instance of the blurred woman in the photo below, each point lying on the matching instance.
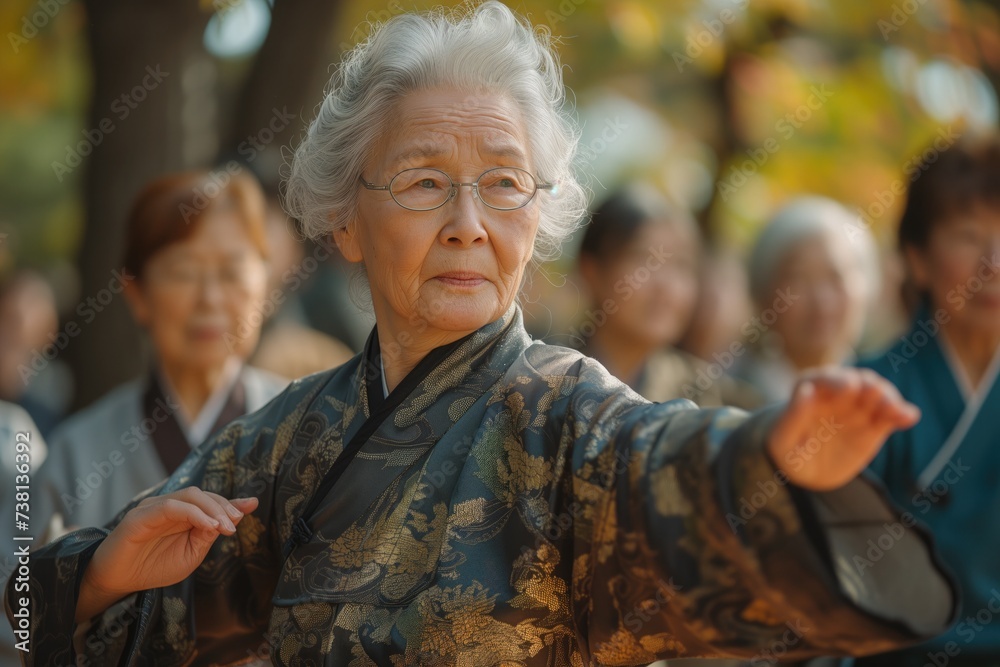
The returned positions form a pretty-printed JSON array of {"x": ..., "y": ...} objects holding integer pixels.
[
  {"x": 640, "y": 261},
  {"x": 31, "y": 375},
  {"x": 945, "y": 470},
  {"x": 196, "y": 253},
  {"x": 813, "y": 273}
]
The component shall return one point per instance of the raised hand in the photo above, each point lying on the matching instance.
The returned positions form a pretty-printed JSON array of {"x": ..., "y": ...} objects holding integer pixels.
[
  {"x": 159, "y": 542},
  {"x": 836, "y": 422}
]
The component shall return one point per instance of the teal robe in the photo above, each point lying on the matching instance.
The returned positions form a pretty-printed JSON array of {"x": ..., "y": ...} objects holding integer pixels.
[
  {"x": 519, "y": 506},
  {"x": 945, "y": 472}
]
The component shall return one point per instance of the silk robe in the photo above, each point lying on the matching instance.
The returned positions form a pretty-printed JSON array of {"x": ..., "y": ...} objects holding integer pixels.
[
  {"x": 945, "y": 472},
  {"x": 519, "y": 507}
]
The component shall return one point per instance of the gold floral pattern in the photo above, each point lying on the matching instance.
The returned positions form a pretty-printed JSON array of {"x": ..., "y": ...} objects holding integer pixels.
[{"x": 520, "y": 507}]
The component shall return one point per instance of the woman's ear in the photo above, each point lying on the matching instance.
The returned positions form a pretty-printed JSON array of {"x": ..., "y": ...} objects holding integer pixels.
[
  {"x": 136, "y": 301},
  {"x": 347, "y": 241},
  {"x": 917, "y": 265}
]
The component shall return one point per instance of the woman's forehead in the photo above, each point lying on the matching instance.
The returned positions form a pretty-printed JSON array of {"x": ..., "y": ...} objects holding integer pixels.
[
  {"x": 435, "y": 146},
  {"x": 432, "y": 123}
]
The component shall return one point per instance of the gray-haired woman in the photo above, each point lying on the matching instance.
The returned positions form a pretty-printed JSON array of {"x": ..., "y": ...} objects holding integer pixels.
[
  {"x": 813, "y": 276},
  {"x": 460, "y": 495}
]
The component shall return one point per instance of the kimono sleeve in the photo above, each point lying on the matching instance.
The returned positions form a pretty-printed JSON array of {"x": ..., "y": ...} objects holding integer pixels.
[
  {"x": 220, "y": 612},
  {"x": 691, "y": 543}
]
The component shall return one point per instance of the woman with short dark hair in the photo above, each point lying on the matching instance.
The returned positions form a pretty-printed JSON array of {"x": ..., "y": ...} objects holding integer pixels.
[
  {"x": 196, "y": 265},
  {"x": 945, "y": 470}
]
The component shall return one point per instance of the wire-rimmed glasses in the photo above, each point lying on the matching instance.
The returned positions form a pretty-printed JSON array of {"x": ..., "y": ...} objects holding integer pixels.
[{"x": 425, "y": 189}]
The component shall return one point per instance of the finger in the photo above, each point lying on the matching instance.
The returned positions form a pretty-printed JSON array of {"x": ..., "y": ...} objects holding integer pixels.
[
  {"x": 209, "y": 505},
  {"x": 245, "y": 505},
  {"x": 234, "y": 513},
  {"x": 169, "y": 516},
  {"x": 829, "y": 381},
  {"x": 872, "y": 395},
  {"x": 900, "y": 414},
  {"x": 798, "y": 413}
]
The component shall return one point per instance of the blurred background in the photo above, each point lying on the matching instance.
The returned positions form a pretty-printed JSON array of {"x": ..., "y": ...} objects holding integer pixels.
[{"x": 730, "y": 107}]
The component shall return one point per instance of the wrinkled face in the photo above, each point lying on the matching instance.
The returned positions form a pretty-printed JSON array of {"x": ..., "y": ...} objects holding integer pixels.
[
  {"x": 826, "y": 284},
  {"x": 201, "y": 299},
  {"x": 959, "y": 268},
  {"x": 449, "y": 271},
  {"x": 649, "y": 289}
]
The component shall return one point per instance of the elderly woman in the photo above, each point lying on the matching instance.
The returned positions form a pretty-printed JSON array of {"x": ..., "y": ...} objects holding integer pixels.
[
  {"x": 640, "y": 261},
  {"x": 945, "y": 470},
  {"x": 198, "y": 255},
  {"x": 813, "y": 275},
  {"x": 457, "y": 494}
]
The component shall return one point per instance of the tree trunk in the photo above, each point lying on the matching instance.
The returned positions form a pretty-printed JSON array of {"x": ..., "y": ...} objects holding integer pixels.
[
  {"x": 139, "y": 50},
  {"x": 288, "y": 76}
]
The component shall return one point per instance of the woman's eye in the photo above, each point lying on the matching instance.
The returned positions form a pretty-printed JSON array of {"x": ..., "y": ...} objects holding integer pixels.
[
  {"x": 506, "y": 183},
  {"x": 427, "y": 183}
]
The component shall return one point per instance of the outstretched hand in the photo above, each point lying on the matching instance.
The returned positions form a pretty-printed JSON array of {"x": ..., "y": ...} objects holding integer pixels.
[
  {"x": 835, "y": 423},
  {"x": 159, "y": 542}
]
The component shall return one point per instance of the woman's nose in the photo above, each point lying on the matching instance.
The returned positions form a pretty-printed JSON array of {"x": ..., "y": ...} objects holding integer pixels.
[
  {"x": 465, "y": 223},
  {"x": 210, "y": 288}
]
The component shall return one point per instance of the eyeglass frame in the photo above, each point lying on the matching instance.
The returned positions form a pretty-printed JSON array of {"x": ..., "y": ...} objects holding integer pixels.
[{"x": 455, "y": 186}]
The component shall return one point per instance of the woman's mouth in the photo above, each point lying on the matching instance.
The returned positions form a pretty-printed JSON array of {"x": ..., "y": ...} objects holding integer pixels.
[
  {"x": 206, "y": 334},
  {"x": 461, "y": 278}
]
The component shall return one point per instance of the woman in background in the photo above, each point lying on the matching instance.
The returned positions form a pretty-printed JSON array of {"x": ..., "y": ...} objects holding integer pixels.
[
  {"x": 640, "y": 260},
  {"x": 945, "y": 471},
  {"x": 197, "y": 256},
  {"x": 813, "y": 273}
]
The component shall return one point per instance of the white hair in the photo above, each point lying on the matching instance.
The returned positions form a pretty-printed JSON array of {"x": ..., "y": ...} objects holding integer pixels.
[
  {"x": 482, "y": 48},
  {"x": 806, "y": 218}
]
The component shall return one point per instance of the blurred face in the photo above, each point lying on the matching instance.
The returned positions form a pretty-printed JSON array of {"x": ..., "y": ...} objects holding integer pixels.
[
  {"x": 828, "y": 298},
  {"x": 201, "y": 299},
  {"x": 442, "y": 273},
  {"x": 650, "y": 289},
  {"x": 959, "y": 268}
]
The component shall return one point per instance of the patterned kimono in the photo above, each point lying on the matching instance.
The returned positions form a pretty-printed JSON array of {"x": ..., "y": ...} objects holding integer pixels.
[
  {"x": 512, "y": 504},
  {"x": 945, "y": 473}
]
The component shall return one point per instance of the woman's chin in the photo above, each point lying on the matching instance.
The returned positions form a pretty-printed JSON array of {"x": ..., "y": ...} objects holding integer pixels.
[{"x": 459, "y": 318}]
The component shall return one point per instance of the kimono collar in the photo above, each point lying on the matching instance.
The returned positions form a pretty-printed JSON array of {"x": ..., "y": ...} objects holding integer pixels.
[
  {"x": 204, "y": 423},
  {"x": 467, "y": 363},
  {"x": 974, "y": 397}
]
